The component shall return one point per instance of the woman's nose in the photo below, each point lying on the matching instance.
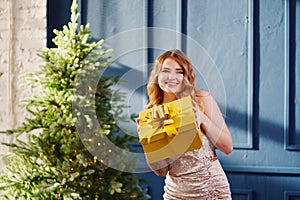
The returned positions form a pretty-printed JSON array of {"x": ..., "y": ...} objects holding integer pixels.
[{"x": 172, "y": 75}]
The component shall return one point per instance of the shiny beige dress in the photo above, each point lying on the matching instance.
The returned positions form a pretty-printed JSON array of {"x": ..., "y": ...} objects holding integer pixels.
[{"x": 197, "y": 175}]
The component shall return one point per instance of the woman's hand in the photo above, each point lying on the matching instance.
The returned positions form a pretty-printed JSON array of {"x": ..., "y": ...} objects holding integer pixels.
[
  {"x": 160, "y": 168},
  {"x": 197, "y": 113},
  {"x": 138, "y": 125}
]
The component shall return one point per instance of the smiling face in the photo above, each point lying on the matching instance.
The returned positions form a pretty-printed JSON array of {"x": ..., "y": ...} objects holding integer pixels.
[{"x": 170, "y": 78}]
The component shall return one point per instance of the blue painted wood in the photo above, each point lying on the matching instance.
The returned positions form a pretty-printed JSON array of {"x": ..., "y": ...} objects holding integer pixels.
[
  {"x": 292, "y": 195},
  {"x": 56, "y": 18},
  {"x": 296, "y": 74},
  {"x": 264, "y": 186},
  {"x": 228, "y": 38},
  {"x": 292, "y": 80},
  {"x": 245, "y": 52},
  {"x": 242, "y": 194}
]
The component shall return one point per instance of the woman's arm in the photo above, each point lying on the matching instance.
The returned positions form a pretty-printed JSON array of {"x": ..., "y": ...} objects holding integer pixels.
[
  {"x": 213, "y": 123},
  {"x": 160, "y": 168}
]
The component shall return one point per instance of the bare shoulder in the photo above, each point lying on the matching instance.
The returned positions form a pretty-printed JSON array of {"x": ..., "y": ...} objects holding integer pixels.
[
  {"x": 210, "y": 106},
  {"x": 202, "y": 93}
]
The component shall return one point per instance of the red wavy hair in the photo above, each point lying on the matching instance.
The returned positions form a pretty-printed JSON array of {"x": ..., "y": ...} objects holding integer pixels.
[{"x": 155, "y": 93}]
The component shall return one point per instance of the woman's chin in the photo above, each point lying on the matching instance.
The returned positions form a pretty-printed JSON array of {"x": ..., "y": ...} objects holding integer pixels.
[{"x": 171, "y": 91}]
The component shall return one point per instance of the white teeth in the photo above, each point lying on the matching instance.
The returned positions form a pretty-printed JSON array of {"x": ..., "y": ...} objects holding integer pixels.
[{"x": 171, "y": 84}]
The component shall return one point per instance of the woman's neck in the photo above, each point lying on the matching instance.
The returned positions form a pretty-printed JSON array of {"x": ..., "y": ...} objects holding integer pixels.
[{"x": 169, "y": 97}]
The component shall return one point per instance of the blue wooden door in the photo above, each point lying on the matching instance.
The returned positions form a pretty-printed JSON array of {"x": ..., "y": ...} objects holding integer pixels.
[{"x": 245, "y": 52}]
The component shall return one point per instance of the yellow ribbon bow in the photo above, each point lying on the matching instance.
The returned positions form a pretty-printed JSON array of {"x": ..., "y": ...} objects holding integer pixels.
[{"x": 161, "y": 116}]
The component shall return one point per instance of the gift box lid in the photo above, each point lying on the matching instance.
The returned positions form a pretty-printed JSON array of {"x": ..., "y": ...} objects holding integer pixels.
[{"x": 167, "y": 120}]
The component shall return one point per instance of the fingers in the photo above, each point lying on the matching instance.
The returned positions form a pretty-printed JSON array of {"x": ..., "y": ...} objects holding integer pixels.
[
  {"x": 138, "y": 125},
  {"x": 197, "y": 113},
  {"x": 138, "y": 129},
  {"x": 137, "y": 120}
]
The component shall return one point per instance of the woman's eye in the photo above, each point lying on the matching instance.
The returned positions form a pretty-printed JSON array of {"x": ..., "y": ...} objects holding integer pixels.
[{"x": 170, "y": 71}]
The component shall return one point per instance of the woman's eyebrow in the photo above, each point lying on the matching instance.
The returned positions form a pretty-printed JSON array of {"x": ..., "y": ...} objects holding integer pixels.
[{"x": 176, "y": 68}]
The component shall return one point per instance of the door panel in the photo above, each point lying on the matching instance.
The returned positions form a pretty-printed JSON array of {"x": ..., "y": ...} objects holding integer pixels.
[
  {"x": 226, "y": 32},
  {"x": 245, "y": 52}
]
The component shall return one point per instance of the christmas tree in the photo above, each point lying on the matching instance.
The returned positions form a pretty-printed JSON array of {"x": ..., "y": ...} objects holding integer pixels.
[{"x": 72, "y": 130}]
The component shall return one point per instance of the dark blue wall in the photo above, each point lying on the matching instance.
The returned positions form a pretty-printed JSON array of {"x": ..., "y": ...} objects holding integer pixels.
[
  {"x": 58, "y": 14},
  {"x": 245, "y": 52}
]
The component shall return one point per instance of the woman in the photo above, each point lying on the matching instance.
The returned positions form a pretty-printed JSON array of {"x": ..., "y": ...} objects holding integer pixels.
[{"x": 196, "y": 174}]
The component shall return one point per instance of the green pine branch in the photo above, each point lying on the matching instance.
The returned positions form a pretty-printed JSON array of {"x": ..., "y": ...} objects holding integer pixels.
[{"x": 54, "y": 163}]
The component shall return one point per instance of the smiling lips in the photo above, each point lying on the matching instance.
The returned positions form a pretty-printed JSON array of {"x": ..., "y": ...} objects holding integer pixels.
[{"x": 171, "y": 84}]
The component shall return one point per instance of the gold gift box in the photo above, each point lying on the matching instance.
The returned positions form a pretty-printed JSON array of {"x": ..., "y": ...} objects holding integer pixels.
[{"x": 169, "y": 129}]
